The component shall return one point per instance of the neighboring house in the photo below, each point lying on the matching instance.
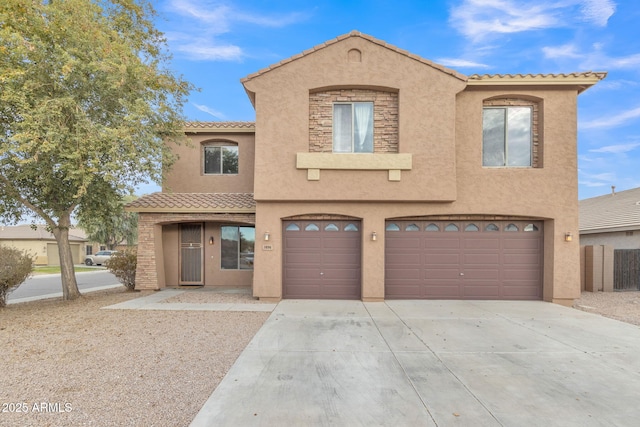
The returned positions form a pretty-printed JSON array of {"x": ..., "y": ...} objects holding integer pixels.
[
  {"x": 372, "y": 173},
  {"x": 612, "y": 219},
  {"x": 42, "y": 244}
]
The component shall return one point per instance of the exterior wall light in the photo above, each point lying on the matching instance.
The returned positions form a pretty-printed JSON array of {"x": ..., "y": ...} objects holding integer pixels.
[
  {"x": 267, "y": 236},
  {"x": 374, "y": 236},
  {"x": 568, "y": 237},
  {"x": 211, "y": 240}
]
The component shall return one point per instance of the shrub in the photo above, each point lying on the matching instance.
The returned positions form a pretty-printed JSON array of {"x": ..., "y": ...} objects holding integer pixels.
[
  {"x": 123, "y": 265},
  {"x": 15, "y": 267}
]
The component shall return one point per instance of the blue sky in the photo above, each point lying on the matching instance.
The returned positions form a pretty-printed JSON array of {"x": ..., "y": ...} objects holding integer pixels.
[{"x": 216, "y": 43}]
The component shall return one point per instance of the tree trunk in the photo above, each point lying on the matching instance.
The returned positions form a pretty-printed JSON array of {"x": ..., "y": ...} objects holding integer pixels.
[{"x": 67, "y": 273}]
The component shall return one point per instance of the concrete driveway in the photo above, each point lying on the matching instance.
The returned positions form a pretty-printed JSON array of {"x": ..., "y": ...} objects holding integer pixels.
[{"x": 427, "y": 363}]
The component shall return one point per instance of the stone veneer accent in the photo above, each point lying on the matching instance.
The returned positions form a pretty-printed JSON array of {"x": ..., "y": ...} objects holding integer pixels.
[
  {"x": 536, "y": 153},
  {"x": 150, "y": 229},
  {"x": 385, "y": 118}
]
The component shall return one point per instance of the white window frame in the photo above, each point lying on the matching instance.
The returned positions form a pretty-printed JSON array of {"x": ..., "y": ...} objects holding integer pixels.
[
  {"x": 505, "y": 109},
  {"x": 353, "y": 126}
]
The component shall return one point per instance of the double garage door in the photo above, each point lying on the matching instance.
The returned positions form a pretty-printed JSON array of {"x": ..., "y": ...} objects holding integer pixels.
[
  {"x": 463, "y": 260},
  {"x": 322, "y": 259}
]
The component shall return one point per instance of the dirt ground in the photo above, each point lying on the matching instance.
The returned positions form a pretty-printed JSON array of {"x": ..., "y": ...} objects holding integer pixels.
[{"x": 71, "y": 363}]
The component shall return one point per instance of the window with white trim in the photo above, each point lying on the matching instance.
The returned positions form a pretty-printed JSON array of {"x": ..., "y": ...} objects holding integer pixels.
[
  {"x": 353, "y": 127},
  {"x": 507, "y": 136}
]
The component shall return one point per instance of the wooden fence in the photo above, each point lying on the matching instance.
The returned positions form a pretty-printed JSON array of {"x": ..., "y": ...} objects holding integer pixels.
[{"x": 626, "y": 269}]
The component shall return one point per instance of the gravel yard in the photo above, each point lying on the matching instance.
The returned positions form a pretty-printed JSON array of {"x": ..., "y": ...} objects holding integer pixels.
[
  {"x": 71, "y": 363},
  {"x": 113, "y": 367},
  {"x": 623, "y": 306}
]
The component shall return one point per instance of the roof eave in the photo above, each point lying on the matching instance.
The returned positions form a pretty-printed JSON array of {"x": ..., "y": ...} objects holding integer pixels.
[{"x": 189, "y": 210}]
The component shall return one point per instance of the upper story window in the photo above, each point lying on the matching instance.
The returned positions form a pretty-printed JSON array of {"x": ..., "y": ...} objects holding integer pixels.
[
  {"x": 506, "y": 136},
  {"x": 353, "y": 127},
  {"x": 220, "y": 159},
  {"x": 512, "y": 132}
]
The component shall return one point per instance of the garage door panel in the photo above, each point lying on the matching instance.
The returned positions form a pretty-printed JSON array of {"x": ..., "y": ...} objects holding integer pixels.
[
  {"x": 404, "y": 259},
  {"x": 474, "y": 242},
  {"x": 481, "y": 258},
  {"x": 485, "y": 262},
  {"x": 493, "y": 274},
  {"x": 441, "y": 259},
  {"x": 487, "y": 290},
  {"x": 302, "y": 243},
  {"x": 521, "y": 243},
  {"x": 440, "y": 241},
  {"x": 441, "y": 273},
  {"x": 441, "y": 291},
  {"x": 403, "y": 273},
  {"x": 403, "y": 243}
]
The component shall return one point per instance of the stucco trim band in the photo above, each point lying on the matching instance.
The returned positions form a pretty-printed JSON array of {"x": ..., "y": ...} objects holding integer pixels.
[{"x": 314, "y": 162}]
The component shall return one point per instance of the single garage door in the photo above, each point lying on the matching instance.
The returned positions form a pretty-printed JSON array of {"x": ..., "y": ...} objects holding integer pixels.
[
  {"x": 463, "y": 260},
  {"x": 321, "y": 259}
]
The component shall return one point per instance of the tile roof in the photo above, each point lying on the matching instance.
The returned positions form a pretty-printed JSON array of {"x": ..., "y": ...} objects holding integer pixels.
[
  {"x": 612, "y": 212},
  {"x": 26, "y": 232},
  {"x": 583, "y": 79},
  {"x": 363, "y": 36},
  {"x": 191, "y": 127},
  {"x": 194, "y": 202}
]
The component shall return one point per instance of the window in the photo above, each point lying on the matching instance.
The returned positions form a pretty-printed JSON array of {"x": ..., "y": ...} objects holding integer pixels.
[
  {"x": 237, "y": 248},
  {"x": 507, "y": 136},
  {"x": 89, "y": 250},
  {"x": 220, "y": 160},
  {"x": 393, "y": 227},
  {"x": 353, "y": 127}
]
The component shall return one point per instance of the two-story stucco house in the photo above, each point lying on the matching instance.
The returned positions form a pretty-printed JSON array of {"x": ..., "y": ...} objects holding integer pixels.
[{"x": 371, "y": 173}]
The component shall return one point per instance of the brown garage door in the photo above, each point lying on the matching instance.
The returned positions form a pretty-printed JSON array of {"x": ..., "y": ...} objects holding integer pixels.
[
  {"x": 321, "y": 259},
  {"x": 463, "y": 260}
]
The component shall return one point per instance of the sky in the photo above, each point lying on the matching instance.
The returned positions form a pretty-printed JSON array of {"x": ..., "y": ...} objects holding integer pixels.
[{"x": 216, "y": 43}]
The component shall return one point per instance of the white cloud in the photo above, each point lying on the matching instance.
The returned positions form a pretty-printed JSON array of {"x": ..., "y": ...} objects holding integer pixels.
[
  {"x": 596, "y": 59},
  {"x": 613, "y": 120},
  {"x": 205, "y": 21},
  {"x": 597, "y": 11},
  {"x": 205, "y": 50},
  {"x": 564, "y": 51},
  {"x": 460, "y": 63},
  {"x": 616, "y": 149},
  {"x": 477, "y": 19},
  {"x": 218, "y": 115}
]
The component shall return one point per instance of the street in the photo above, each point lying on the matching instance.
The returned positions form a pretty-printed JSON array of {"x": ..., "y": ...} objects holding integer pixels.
[{"x": 50, "y": 285}]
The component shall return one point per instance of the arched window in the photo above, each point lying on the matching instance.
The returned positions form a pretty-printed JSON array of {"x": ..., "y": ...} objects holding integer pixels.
[
  {"x": 351, "y": 227},
  {"x": 292, "y": 227},
  {"x": 511, "y": 227},
  {"x": 492, "y": 227},
  {"x": 331, "y": 227},
  {"x": 451, "y": 227},
  {"x": 471, "y": 227},
  {"x": 392, "y": 227},
  {"x": 412, "y": 227},
  {"x": 312, "y": 227},
  {"x": 432, "y": 227},
  {"x": 530, "y": 227}
]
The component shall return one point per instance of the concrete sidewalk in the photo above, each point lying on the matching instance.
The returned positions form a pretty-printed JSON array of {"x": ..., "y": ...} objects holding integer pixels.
[{"x": 422, "y": 363}]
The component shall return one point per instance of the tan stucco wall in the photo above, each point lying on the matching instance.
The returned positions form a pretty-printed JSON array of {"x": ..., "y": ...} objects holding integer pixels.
[
  {"x": 41, "y": 249},
  {"x": 213, "y": 274},
  {"x": 440, "y": 126},
  {"x": 188, "y": 174},
  {"x": 617, "y": 239},
  {"x": 427, "y": 104}
]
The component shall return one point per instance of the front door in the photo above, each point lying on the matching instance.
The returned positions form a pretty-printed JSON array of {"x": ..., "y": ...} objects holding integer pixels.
[{"x": 191, "y": 253}]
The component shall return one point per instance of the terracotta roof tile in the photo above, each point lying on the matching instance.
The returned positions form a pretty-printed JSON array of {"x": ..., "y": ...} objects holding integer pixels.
[
  {"x": 363, "y": 36},
  {"x": 194, "y": 202},
  {"x": 218, "y": 125},
  {"x": 583, "y": 80}
]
